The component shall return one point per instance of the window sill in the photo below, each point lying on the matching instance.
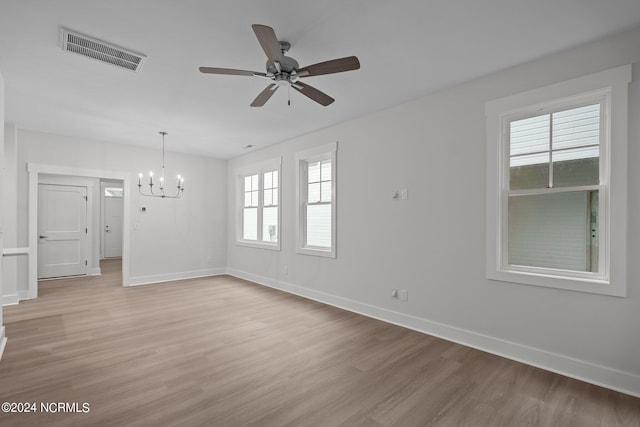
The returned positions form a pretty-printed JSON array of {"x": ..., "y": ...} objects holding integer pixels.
[
  {"x": 327, "y": 253},
  {"x": 259, "y": 245},
  {"x": 546, "y": 278}
]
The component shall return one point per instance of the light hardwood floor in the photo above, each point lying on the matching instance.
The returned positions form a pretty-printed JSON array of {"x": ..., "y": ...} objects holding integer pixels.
[{"x": 221, "y": 351}]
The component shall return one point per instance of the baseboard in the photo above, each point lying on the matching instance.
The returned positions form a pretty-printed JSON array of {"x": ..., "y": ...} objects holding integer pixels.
[
  {"x": 23, "y": 295},
  {"x": 94, "y": 272},
  {"x": 3, "y": 341},
  {"x": 16, "y": 298},
  {"x": 12, "y": 299},
  {"x": 603, "y": 376},
  {"x": 158, "y": 278}
]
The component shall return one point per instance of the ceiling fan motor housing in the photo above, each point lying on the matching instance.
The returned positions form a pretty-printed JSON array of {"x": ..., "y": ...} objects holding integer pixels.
[
  {"x": 283, "y": 71},
  {"x": 287, "y": 65}
]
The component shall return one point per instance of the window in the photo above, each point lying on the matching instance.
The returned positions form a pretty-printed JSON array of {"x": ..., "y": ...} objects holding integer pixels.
[
  {"x": 251, "y": 205},
  {"x": 270, "y": 206},
  {"x": 113, "y": 192},
  {"x": 259, "y": 220},
  {"x": 316, "y": 173},
  {"x": 550, "y": 217},
  {"x": 554, "y": 177}
]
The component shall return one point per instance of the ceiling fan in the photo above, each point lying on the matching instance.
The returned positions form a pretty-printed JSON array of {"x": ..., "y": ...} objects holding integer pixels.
[{"x": 284, "y": 71}]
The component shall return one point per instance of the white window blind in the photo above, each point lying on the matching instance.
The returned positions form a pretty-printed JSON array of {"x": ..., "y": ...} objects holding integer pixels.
[
  {"x": 550, "y": 230},
  {"x": 319, "y": 204}
]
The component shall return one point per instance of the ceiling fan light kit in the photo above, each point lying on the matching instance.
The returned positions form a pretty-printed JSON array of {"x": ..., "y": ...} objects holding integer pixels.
[{"x": 284, "y": 71}]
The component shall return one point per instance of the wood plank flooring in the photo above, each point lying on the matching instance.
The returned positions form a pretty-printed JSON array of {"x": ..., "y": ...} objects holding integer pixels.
[{"x": 221, "y": 351}]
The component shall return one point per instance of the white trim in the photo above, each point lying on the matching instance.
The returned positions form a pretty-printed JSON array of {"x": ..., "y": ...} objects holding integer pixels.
[
  {"x": 613, "y": 85},
  {"x": 25, "y": 295},
  {"x": 94, "y": 272},
  {"x": 257, "y": 169},
  {"x": 34, "y": 170},
  {"x": 161, "y": 278},
  {"x": 11, "y": 299},
  {"x": 265, "y": 165},
  {"x": 624, "y": 382},
  {"x": 15, "y": 251},
  {"x": 258, "y": 244},
  {"x": 320, "y": 152},
  {"x": 539, "y": 191},
  {"x": 3, "y": 341}
]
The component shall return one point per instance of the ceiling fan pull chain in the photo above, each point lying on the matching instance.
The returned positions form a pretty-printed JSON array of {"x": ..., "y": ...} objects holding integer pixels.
[{"x": 289, "y": 96}]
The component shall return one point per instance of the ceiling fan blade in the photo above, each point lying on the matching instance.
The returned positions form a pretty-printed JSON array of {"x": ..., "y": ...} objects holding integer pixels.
[
  {"x": 313, "y": 93},
  {"x": 264, "y": 96},
  {"x": 329, "y": 67},
  {"x": 230, "y": 71},
  {"x": 269, "y": 42}
]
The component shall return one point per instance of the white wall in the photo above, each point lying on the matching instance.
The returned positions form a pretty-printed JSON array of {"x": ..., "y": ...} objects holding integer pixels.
[
  {"x": 174, "y": 238},
  {"x": 433, "y": 244},
  {"x": 3, "y": 339},
  {"x": 9, "y": 200}
]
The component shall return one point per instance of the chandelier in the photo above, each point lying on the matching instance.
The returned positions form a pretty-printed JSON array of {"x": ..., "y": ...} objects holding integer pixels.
[{"x": 161, "y": 186}]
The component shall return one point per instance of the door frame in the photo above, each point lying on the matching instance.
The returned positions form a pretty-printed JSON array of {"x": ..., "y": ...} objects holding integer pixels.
[
  {"x": 34, "y": 171},
  {"x": 103, "y": 235}
]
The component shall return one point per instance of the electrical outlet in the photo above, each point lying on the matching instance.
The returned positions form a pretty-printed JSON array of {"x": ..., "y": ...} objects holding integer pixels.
[
  {"x": 403, "y": 294},
  {"x": 404, "y": 194}
]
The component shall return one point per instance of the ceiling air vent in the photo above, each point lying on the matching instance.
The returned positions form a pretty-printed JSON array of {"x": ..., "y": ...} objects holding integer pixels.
[{"x": 102, "y": 51}]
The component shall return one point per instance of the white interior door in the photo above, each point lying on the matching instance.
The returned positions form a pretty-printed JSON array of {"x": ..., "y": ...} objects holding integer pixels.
[
  {"x": 113, "y": 211},
  {"x": 62, "y": 230}
]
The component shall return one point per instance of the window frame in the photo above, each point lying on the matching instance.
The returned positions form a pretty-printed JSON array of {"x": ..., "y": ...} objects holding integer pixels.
[
  {"x": 260, "y": 169},
  {"x": 302, "y": 158},
  {"x": 601, "y": 97},
  {"x": 611, "y": 88}
]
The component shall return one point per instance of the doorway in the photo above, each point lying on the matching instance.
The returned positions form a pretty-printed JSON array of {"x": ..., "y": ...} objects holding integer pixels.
[
  {"x": 36, "y": 172},
  {"x": 112, "y": 197}
]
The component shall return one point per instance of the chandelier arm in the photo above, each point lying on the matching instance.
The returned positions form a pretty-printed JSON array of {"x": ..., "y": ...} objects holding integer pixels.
[
  {"x": 162, "y": 195},
  {"x": 151, "y": 190}
]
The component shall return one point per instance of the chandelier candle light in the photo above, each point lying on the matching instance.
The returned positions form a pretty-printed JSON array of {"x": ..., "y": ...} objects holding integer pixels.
[{"x": 151, "y": 193}]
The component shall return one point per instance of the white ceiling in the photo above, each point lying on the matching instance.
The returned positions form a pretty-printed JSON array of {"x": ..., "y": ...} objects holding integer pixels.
[{"x": 407, "y": 49}]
